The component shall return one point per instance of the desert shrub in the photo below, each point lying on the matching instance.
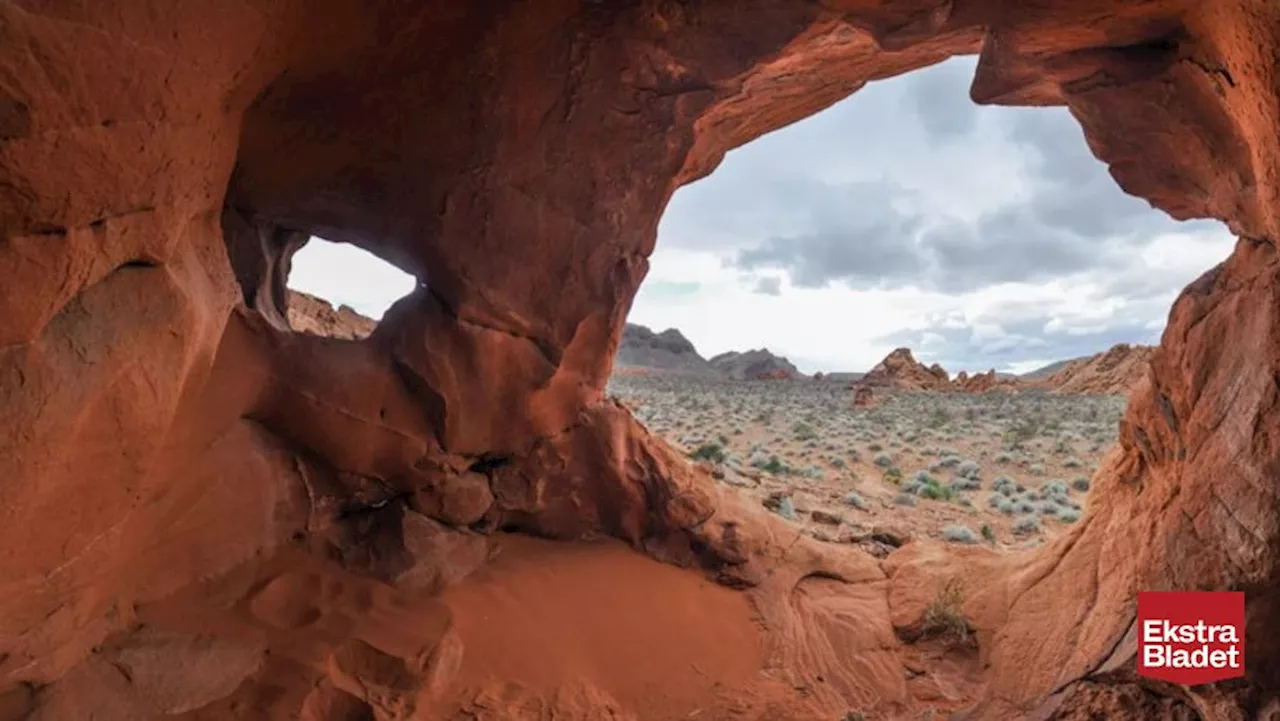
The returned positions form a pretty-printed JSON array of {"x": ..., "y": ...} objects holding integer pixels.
[
  {"x": 993, "y": 500},
  {"x": 1021, "y": 432},
  {"x": 1004, "y": 485},
  {"x": 1036, "y": 469},
  {"x": 1072, "y": 462},
  {"x": 959, "y": 534},
  {"x": 1054, "y": 487},
  {"x": 1068, "y": 515},
  {"x": 713, "y": 452},
  {"x": 814, "y": 472},
  {"x": 966, "y": 484},
  {"x": 1003, "y": 458},
  {"x": 853, "y": 499},
  {"x": 774, "y": 465},
  {"x": 934, "y": 492},
  {"x": 1025, "y": 506},
  {"x": 948, "y": 461},
  {"x": 1026, "y": 525},
  {"x": 875, "y": 447},
  {"x": 883, "y": 460},
  {"x": 988, "y": 534},
  {"x": 1081, "y": 484},
  {"x": 837, "y": 463},
  {"x": 969, "y": 469},
  {"x": 1007, "y": 507},
  {"x": 1048, "y": 508},
  {"x": 904, "y": 499},
  {"x": 786, "y": 509},
  {"x": 944, "y": 617},
  {"x": 803, "y": 431}
]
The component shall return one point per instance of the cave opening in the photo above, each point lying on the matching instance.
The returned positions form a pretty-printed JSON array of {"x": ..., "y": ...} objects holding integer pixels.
[
  {"x": 341, "y": 290},
  {"x": 936, "y": 326}
]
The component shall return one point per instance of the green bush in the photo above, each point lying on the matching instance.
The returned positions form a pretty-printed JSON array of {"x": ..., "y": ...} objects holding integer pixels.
[{"x": 713, "y": 452}]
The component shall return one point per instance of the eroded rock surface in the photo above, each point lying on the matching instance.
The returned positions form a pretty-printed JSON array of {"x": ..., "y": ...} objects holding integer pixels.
[
  {"x": 900, "y": 370},
  {"x": 205, "y": 515},
  {"x": 1116, "y": 370},
  {"x": 309, "y": 314}
]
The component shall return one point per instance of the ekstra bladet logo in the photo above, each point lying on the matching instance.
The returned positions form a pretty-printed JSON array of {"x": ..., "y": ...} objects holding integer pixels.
[{"x": 1191, "y": 637}]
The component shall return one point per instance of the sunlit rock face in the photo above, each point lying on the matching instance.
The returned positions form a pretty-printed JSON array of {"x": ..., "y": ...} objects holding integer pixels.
[{"x": 206, "y": 515}]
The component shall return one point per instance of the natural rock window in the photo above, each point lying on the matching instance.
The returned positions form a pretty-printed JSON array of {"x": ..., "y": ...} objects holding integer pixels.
[
  {"x": 340, "y": 290},
  {"x": 907, "y": 309}
]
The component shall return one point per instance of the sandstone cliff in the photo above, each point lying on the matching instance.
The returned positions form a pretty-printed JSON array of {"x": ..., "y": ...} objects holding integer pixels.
[
  {"x": 1114, "y": 371},
  {"x": 205, "y": 515},
  {"x": 309, "y": 314}
]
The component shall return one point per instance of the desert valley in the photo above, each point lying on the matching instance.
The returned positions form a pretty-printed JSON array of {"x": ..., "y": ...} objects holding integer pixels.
[{"x": 899, "y": 452}]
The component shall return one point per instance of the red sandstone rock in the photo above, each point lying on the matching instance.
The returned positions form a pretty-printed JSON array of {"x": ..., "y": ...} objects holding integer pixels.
[
  {"x": 170, "y": 450},
  {"x": 900, "y": 370},
  {"x": 1117, "y": 370},
  {"x": 309, "y": 314}
]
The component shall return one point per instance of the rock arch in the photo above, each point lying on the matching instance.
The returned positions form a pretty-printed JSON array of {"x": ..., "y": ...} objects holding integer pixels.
[{"x": 165, "y": 447}]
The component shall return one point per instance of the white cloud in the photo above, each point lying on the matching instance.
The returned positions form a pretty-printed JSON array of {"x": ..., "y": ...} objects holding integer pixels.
[{"x": 346, "y": 275}]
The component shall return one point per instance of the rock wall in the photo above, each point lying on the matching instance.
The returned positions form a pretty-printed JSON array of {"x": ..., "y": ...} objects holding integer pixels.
[
  {"x": 1113, "y": 371},
  {"x": 309, "y": 314},
  {"x": 205, "y": 515}
]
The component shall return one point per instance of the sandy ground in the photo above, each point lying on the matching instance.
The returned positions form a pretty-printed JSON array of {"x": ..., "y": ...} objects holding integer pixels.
[{"x": 1005, "y": 469}]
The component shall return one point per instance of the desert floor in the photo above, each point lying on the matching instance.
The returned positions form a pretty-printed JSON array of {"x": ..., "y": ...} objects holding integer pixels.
[{"x": 1007, "y": 469}]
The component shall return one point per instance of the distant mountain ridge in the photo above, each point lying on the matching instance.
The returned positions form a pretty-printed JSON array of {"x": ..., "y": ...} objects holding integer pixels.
[
  {"x": 754, "y": 364},
  {"x": 670, "y": 351},
  {"x": 1113, "y": 371}
]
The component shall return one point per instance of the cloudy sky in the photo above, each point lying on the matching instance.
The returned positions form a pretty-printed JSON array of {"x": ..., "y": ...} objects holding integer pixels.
[{"x": 905, "y": 215}]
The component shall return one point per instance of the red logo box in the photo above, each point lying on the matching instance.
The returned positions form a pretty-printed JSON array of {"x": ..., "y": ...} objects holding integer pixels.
[{"x": 1191, "y": 637}]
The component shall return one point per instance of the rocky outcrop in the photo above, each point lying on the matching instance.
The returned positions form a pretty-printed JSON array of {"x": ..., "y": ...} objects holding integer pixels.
[
  {"x": 900, "y": 370},
  {"x": 309, "y": 314},
  {"x": 1115, "y": 371},
  {"x": 757, "y": 364},
  {"x": 668, "y": 350},
  {"x": 205, "y": 515}
]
